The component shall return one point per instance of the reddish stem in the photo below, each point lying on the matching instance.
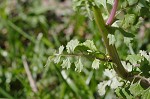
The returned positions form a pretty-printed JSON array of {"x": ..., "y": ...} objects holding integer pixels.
[{"x": 113, "y": 12}]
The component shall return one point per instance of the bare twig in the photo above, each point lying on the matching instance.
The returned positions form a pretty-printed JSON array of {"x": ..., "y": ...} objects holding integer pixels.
[{"x": 30, "y": 78}]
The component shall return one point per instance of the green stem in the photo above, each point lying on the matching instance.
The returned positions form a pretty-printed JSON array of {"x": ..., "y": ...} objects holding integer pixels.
[
  {"x": 110, "y": 48},
  {"x": 120, "y": 70}
]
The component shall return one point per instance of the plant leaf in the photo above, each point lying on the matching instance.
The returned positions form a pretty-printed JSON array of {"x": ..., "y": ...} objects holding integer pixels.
[
  {"x": 95, "y": 64},
  {"x": 61, "y": 48},
  {"x": 72, "y": 45},
  {"x": 128, "y": 21},
  {"x": 145, "y": 54},
  {"x": 102, "y": 87},
  {"x": 109, "y": 73},
  {"x": 127, "y": 66},
  {"x": 90, "y": 45},
  {"x": 57, "y": 59},
  {"x": 102, "y": 2},
  {"x": 111, "y": 39},
  {"x": 127, "y": 40},
  {"x": 126, "y": 93},
  {"x": 134, "y": 58},
  {"x": 136, "y": 89},
  {"x": 66, "y": 63},
  {"x": 78, "y": 65},
  {"x": 146, "y": 94},
  {"x": 115, "y": 83}
]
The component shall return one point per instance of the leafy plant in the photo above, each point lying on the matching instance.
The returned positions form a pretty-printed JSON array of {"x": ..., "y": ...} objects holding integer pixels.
[{"x": 127, "y": 77}]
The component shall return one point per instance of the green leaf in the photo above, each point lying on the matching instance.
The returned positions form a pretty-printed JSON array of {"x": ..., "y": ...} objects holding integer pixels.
[
  {"x": 78, "y": 65},
  {"x": 111, "y": 39},
  {"x": 66, "y": 63},
  {"x": 136, "y": 89},
  {"x": 134, "y": 58},
  {"x": 95, "y": 64},
  {"x": 128, "y": 21},
  {"x": 84, "y": 6},
  {"x": 72, "y": 45},
  {"x": 112, "y": 30},
  {"x": 118, "y": 93},
  {"x": 82, "y": 48},
  {"x": 102, "y": 2},
  {"x": 146, "y": 94},
  {"x": 127, "y": 40},
  {"x": 131, "y": 2},
  {"x": 90, "y": 45},
  {"x": 126, "y": 93},
  {"x": 87, "y": 6},
  {"x": 76, "y": 4},
  {"x": 110, "y": 2}
]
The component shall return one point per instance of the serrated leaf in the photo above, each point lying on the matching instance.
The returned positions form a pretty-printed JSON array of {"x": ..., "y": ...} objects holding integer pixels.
[
  {"x": 134, "y": 58},
  {"x": 102, "y": 2},
  {"x": 66, "y": 63},
  {"x": 131, "y": 2},
  {"x": 136, "y": 89},
  {"x": 72, "y": 45},
  {"x": 126, "y": 93},
  {"x": 110, "y": 2},
  {"x": 127, "y": 66},
  {"x": 102, "y": 87},
  {"x": 109, "y": 73},
  {"x": 127, "y": 40},
  {"x": 115, "y": 83},
  {"x": 90, "y": 45},
  {"x": 145, "y": 54},
  {"x": 111, "y": 38},
  {"x": 84, "y": 6},
  {"x": 57, "y": 59},
  {"x": 119, "y": 94},
  {"x": 95, "y": 64},
  {"x": 87, "y": 6},
  {"x": 128, "y": 21},
  {"x": 61, "y": 48},
  {"x": 146, "y": 94},
  {"x": 76, "y": 4},
  {"x": 78, "y": 65}
]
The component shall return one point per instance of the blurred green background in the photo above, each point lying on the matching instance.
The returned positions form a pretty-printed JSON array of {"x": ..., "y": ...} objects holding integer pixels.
[{"x": 30, "y": 31}]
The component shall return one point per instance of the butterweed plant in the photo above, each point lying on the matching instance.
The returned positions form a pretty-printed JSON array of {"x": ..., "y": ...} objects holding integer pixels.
[{"x": 129, "y": 78}]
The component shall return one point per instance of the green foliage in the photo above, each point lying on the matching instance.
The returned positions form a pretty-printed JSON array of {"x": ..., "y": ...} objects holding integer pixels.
[
  {"x": 146, "y": 94},
  {"x": 95, "y": 64},
  {"x": 72, "y": 45},
  {"x": 133, "y": 89},
  {"x": 134, "y": 59},
  {"x": 36, "y": 28},
  {"x": 90, "y": 45},
  {"x": 77, "y": 51}
]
